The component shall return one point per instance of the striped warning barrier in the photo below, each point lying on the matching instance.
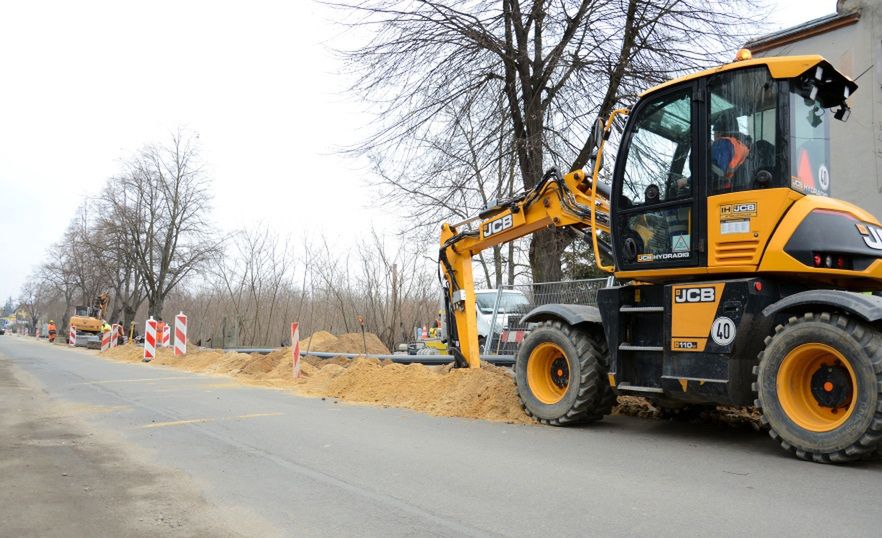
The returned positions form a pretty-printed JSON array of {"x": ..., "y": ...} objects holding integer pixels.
[
  {"x": 513, "y": 336},
  {"x": 180, "y": 334},
  {"x": 150, "y": 340},
  {"x": 115, "y": 333},
  {"x": 295, "y": 348},
  {"x": 72, "y": 336},
  {"x": 37, "y": 332},
  {"x": 105, "y": 340}
]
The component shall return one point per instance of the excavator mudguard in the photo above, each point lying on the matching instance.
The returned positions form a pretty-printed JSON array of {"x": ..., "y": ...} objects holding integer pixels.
[
  {"x": 572, "y": 314},
  {"x": 866, "y": 307}
]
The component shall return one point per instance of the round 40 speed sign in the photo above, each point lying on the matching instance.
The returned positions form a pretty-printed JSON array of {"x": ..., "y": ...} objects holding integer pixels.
[{"x": 723, "y": 331}]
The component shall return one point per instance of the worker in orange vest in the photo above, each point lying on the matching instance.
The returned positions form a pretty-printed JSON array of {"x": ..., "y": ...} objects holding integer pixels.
[
  {"x": 729, "y": 150},
  {"x": 53, "y": 331}
]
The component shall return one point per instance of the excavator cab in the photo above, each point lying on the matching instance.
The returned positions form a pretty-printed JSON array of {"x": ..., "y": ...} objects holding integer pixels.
[{"x": 710, "y": 164}]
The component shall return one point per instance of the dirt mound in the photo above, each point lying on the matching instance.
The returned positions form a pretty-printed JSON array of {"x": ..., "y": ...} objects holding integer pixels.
[
  {"x": 488, "y": 393},
  {"x": 345, "y": 343},
  {"x": 318, "y": 341}
]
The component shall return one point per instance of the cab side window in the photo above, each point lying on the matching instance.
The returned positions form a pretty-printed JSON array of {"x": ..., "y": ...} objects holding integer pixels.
[
  {"x": 658, "y": 162},
  {"x": 657, "y": 198},
  {"x": 744, "y": 153}
]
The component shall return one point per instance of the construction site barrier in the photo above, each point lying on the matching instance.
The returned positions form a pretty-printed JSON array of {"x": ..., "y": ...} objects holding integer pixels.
[
  {"x": 72, "y": 337},
  {"x": 180, "y": 334},
  {"x": 165, "y": 336},
  {"x": 150, "y": 340},
  {"x": 105, "y": 340},
  {"x": 115, "y": 333},
  {"x": 295, "y": 349},
  {"x": 37, "y": 333}
]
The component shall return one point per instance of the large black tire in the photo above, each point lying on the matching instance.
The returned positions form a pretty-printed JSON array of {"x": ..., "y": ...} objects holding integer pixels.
[
  {"x": 583, "y": 356},
  {"x": 791, "y": 409}
]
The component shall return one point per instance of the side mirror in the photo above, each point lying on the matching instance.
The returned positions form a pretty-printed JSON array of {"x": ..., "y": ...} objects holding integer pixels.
[
  {"x": 594, "y": 141},
  {"x": 596, "y": 134}
]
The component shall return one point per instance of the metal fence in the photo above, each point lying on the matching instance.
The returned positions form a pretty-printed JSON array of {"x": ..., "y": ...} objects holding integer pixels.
[{"x": 501, "y": 321}]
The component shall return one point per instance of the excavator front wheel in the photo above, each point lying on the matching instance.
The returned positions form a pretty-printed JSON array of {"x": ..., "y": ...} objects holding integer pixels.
[
  {"x": 561, "y": 375},
  {"x": 819, "y": 387}
]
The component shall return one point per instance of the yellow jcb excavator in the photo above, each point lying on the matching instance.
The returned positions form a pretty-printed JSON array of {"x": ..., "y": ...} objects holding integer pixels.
[
  {"x": 88, "y": 320},
  {"x": 739, "y": 280}
]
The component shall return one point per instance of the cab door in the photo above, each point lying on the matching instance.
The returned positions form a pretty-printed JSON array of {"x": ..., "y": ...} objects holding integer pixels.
[
  {"x": 656, "y": 187},
  {"x": 748, "y": 176}
]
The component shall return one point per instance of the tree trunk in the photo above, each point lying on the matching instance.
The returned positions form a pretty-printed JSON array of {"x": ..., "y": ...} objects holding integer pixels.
[
  {"x": 546, "y": 250},
  {"x": 128, "y": 315},
  {"x": 154, "y": 305}
]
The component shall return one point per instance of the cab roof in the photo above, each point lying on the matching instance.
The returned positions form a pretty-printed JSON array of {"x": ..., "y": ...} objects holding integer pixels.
[{"x": 779, "y": 67}]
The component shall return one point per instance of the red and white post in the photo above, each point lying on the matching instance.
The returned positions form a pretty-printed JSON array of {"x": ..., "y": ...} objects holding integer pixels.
[
  {"x": 180, "y": 334},
  {"x": 150, "y": 340},
  {"x": 115, "y": 332},
  {"x": 295, "y": 348},
  {"x": 72, "y": 336},
  {"x": 166, "y": 335},
  {"x": 105, "y": 340}
]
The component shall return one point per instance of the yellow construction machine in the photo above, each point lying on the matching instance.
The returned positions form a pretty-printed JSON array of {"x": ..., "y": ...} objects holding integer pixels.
[
  {"x": 88, "y": 320},
  {"x": 738, "y": 279}
]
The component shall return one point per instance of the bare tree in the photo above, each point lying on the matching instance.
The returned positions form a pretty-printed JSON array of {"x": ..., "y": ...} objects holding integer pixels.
[
  {"x": 58, "y": 274},
  {"x": 160, "y": 205},
  {"x": 33, "y": 299},
  {"x": 554, "y": 67}
]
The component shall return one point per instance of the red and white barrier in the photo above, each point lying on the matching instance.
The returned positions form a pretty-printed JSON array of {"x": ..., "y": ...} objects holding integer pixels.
[
  {"x": 513, "y": 336},
  {"x": 105, "y": 340},
  {"x": 115, "y": 333},
  {"x": 165, "y": 336},
  {"x": 180, "y": 334},
  {"x": 37, "y": 332},
  {"x": 72, "y": 336},
  {"x": 295, "y": 348},
  {"x": 150, "y": 340}
]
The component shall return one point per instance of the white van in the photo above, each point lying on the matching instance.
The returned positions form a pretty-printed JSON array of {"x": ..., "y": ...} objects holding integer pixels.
[{"x": 510, "y": 302}]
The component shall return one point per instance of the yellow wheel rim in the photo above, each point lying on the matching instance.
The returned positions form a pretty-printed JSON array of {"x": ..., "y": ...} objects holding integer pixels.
[
  {"x": 548, "y": 373},
  {"x": 816, "y": 387}
]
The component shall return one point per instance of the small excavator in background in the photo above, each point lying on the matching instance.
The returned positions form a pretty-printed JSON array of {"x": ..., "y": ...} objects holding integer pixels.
[
  {"x": 88, "y": 320},
  {"x": 738, "y": 279}
]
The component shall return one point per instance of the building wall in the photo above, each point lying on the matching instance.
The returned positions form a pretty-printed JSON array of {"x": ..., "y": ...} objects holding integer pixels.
[{"x": 856, "y": 147}]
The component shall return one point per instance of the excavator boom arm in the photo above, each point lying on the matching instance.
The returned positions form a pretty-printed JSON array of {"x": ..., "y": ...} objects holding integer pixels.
[{"x": 560, "y": 202}]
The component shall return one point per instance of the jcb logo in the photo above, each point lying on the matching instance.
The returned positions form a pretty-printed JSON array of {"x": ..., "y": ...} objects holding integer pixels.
[
  {"x": 695, "y": 295},
  {"x": 739, "y": 210},
  {"x": 498, "y": 225},
  {"x": 872, "y": 235}
]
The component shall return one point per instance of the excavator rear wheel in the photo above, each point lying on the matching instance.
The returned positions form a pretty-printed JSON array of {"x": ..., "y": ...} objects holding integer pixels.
[
  {"x": 561, "y": 375},
  {"x": 819, "y": 387}
]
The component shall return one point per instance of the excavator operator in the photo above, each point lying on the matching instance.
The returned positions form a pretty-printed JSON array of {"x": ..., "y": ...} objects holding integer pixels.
[{"x": 728, "y": 151}]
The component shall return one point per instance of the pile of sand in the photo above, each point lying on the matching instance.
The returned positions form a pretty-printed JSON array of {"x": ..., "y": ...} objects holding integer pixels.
[
  {"x": 326, "y": 342},
  {"x": 488, "y": 393}
]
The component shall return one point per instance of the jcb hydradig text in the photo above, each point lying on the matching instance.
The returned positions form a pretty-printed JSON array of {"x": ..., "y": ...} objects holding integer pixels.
[{"x": 741, "y": 281}]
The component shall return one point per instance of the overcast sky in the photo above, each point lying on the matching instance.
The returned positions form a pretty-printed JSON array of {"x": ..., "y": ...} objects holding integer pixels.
[{"x": 86, "y": 83}]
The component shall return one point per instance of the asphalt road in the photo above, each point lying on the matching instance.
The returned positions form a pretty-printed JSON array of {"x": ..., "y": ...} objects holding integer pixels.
[{"x": 220, "y": 458}]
